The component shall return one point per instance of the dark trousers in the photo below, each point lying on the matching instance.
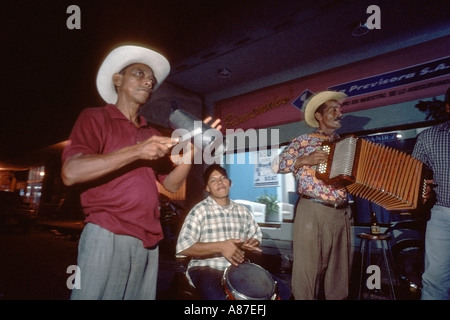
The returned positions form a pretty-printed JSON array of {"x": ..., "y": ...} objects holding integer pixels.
[{"x": 208, "y": 282}]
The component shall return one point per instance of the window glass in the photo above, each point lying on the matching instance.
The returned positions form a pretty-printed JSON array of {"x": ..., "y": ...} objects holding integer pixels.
[{"x": 270, "y": 196}]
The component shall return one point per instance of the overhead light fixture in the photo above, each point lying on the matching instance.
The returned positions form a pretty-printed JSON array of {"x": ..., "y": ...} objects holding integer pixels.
[
  {"x": 360, "y": 30},
  {"x": 224, "y": 73}
]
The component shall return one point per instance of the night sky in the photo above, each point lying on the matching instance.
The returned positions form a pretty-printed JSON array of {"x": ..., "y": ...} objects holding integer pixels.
[{"x": 49, "y": 70}]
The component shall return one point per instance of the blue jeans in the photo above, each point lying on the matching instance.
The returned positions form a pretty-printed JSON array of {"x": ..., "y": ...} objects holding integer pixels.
[
  {"x": 114, "y": 267},
  {"x": 436, "y": 277}
]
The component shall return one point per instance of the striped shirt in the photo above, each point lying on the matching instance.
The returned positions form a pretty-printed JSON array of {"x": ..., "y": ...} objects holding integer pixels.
[
  {"x": 307, "y": 183},
  {"x": 433, "y": 148},
  {"x": 209, "y": 222}
]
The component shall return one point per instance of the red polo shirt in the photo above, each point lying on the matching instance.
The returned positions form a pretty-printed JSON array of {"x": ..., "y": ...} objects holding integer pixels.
[{"x": 126, "y": 203}]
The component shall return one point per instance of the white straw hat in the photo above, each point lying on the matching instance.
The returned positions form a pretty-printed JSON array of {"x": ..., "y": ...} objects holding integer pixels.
[{"x": 124, "y": 56}]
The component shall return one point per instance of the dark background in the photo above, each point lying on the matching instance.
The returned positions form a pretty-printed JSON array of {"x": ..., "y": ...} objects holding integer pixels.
[{"x": 48, "y": 71}]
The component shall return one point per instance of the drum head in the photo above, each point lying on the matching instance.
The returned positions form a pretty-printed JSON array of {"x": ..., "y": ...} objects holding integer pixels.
[{"x": 250, "y": 281}]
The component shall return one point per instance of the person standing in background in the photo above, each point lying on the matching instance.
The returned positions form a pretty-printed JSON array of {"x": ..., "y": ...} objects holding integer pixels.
[{"x": 432, "y": 147}]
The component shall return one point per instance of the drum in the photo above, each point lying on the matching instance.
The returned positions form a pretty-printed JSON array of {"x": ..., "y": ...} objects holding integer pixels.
[{"x": 249, "y": 281}]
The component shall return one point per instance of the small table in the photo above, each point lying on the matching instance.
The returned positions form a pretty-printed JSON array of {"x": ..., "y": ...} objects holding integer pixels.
[{"x": 366, "y": 241}]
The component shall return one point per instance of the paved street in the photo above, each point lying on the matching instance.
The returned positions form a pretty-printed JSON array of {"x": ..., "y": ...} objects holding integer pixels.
[{"x": 33, "y": 265}]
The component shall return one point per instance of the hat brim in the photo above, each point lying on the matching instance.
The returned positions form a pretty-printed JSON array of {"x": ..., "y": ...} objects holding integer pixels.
[
  {"x": 315, "y": 101},
  {"x": 124, "y": 56}
]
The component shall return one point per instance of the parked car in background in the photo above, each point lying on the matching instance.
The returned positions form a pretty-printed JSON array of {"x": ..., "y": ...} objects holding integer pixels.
[{"x": 14, "y": 212}]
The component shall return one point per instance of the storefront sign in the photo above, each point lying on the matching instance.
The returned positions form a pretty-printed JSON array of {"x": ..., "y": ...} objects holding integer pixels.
[
  {"x": 409, "y": 74},
  {"x": 397, "y": 78}
]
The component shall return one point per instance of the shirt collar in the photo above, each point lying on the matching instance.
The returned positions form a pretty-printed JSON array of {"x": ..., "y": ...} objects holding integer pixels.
[
  {"x": 332, "y": 136},
  {"x": 115, "y": 113},
  {"x": 212, "y": 202}
]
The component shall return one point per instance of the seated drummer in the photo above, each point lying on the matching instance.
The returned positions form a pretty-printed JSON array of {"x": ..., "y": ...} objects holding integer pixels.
[{"x": 215, "y": 234}]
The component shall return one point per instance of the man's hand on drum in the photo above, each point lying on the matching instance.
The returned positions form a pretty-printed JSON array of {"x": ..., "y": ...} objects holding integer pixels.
[
  {"x": 251, "y": 245},
  {"x": 232, "y": 252},
  {"x": 233, "y": 249}
]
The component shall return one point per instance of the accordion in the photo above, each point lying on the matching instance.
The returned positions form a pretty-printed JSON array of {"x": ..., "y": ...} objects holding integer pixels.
[{"x": 388, "y": 177}]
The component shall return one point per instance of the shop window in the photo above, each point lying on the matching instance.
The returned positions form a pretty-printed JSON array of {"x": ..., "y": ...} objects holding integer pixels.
[
  {"x": 33, "y": 191},
  {"x": 269, "y": 196}
]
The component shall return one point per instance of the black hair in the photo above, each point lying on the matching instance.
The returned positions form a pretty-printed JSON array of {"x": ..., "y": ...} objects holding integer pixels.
[{"x": 211, "y": 169}]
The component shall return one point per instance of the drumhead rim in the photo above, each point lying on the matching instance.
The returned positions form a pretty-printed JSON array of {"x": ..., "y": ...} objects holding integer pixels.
[{"x": 228, "y": 287}]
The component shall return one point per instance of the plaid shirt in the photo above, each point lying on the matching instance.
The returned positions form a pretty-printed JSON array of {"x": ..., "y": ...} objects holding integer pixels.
[
  {"x": 433, "y": 148},
  {"x": 209, "y": 222},
  {"x": 307, "y": 183}
]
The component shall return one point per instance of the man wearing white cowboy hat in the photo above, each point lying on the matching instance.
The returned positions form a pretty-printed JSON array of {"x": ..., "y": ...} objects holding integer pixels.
[
  {"x": 115, "y": 158},
  {"x": 321, "y": 235}
]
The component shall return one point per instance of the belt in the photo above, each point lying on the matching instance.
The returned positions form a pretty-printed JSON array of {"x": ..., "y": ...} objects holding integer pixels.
[{"x": 335, "y": 205}]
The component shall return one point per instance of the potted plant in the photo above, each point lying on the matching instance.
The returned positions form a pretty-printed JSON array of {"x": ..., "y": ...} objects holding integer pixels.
[{"x": 272, "y": 209}]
